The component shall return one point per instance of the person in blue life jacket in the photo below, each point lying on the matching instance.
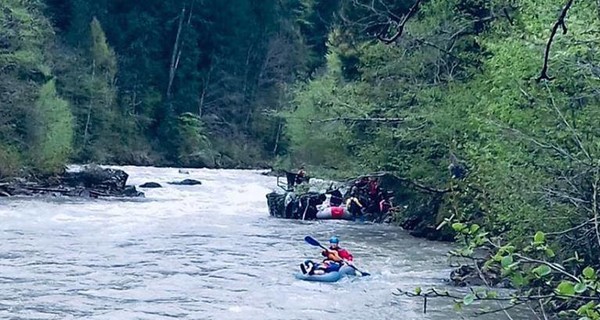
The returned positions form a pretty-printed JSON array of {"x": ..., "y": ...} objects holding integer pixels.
[{"x": 335, "y": 256}]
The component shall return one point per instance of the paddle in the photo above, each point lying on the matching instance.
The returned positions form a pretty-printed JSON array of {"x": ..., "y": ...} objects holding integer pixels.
[{"x": 312, "y": 241}]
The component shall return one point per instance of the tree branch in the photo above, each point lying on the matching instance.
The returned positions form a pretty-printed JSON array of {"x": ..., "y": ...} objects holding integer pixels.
[
  {"x": 595, "y": 206},
  {"x": 349, "y": 119},
  {"x": 400, "y": 26},
  {"x": 559, "y": 23},
  {"x": 553, "y": 266}
]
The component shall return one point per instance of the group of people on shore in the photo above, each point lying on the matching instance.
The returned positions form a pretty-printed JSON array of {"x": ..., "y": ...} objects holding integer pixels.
[{"x": 365, "y": 197}]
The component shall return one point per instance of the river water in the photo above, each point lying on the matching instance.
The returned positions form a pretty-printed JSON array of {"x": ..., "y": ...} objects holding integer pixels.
[{"x": 201, "y": 252}]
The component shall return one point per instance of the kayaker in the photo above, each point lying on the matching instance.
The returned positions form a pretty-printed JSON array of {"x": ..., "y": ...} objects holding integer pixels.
[{"x": 335, "y": 257}]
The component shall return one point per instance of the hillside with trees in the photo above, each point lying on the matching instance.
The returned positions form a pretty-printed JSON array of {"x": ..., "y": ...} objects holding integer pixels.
[{"x": 187, "y": 83}]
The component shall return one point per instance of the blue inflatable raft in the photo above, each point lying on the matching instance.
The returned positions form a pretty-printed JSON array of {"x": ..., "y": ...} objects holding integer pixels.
[{"x": 327, "y": 277}]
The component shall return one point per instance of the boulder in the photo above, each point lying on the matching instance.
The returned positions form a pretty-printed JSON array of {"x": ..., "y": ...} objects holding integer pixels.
[
  {"x": 131, "y": 191},
  {"x": 186, "y": 182},
  {"x": 97, "y": 178},
  {"x": 93, "y": 181},
  {"x": 150, "y": 185}
]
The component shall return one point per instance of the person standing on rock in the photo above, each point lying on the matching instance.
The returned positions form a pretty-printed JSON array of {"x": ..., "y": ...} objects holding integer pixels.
[
  {"x": 300, "y": 175},
  {"x": 353, "y": 204}
]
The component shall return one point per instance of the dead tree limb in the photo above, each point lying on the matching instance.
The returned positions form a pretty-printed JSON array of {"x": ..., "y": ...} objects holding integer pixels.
[
  {"x": 176, "y": 54},
  {"x": 348, "y": 119},
  {"x": 400, "y": 26},
  {"x": 559, "y": 23}
]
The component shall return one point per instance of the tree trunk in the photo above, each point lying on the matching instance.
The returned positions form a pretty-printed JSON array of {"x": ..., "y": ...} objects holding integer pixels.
[
  {"x": 175, "y": 55},
  {"x": 279, "y": 128},
  {"x": 245, "y": 88},
  {"x": 89, "y": 113},
  {"x": 204, "y": 91}
]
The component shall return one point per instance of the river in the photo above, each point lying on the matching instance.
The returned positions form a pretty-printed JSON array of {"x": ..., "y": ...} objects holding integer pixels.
[{"x": 201, "y": 252}]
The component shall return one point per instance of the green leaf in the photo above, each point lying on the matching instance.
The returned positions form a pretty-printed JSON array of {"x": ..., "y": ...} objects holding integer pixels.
[
  {"x": 468, "y": 299},
  {"x": 492, "y": 295},
  {"x": 474, "y": 228},
  {"x": 457, "y": 226},
  {"x": 566, "y": 288},
  {"x": 563, "y": 314},
  {"x": 542, "y": 270},
  {"x": 580, "y": 287},
  {"x": 539, "y": 237},
  {"x": 506, "y": 261},
  {"x": 517, "y": 279},
  {"x": 418, "y": 291},
  {"x": 589, "y": 272},
  {"x": 550, "y": 253},
  {"x": 584, "y": 309}
]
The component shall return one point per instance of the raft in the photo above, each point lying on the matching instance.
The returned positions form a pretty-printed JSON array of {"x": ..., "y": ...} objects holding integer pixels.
[
  {"x": 327, "y": 277},
  {"x": 335, "y": 213}
]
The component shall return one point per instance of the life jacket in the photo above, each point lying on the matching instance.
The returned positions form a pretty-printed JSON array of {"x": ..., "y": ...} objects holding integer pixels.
[
  {"x": 337, "y": 255},
  {"x": 373, "y": 188}
]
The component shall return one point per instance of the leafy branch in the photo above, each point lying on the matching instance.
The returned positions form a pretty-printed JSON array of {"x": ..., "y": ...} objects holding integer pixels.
[{"x": 541, "y": 283}]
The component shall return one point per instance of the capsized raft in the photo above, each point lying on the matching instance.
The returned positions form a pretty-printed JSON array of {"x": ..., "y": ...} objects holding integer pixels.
[
  {"x": 327, "y": 277},
  {"x": 335, "y": 213}
]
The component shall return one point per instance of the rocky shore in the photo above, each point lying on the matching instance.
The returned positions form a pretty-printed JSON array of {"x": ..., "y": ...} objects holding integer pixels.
[{"x": 91, "y": 181}]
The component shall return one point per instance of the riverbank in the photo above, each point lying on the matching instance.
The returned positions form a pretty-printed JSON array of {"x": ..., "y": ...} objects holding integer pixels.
[{"x": 90, "y": 181}]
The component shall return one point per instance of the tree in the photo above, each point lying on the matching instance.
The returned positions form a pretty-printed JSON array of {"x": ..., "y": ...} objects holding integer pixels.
[
  {"x": 101, "y": 96},
  {"x": 51, "y": 148}
]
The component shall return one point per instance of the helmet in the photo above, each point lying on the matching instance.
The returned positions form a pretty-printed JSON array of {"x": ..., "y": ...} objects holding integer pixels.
[{"x": 334, "y": 239}]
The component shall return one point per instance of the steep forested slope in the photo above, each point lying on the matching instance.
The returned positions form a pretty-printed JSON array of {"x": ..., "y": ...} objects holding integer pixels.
[{"x": 192, "y": 83}]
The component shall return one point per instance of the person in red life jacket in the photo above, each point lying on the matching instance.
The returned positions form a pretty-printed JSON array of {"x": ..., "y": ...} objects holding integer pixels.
[
  {"x": 373, "y": 188},
  {"x": 335, "y": 256}
]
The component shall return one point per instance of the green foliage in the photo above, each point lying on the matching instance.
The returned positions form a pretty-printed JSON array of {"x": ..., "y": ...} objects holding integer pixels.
[
  {"x": 102, "y": 55},
  {"x": 51, "y": 148},
  {"x": 11, "y": 161},
  {"x": 564, "y": 285},
  {"x": 193, "y": 145},
  {"x": 35, "y": 123}
]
